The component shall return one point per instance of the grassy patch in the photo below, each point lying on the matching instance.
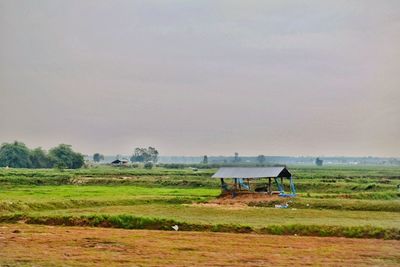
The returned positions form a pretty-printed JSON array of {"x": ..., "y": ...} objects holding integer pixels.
[
  {"x": 134, "y": 222},
  {"x": 252, "y": 216},
  {"x": 336, "y": 204},
  {"x": 67, "y": 192}
]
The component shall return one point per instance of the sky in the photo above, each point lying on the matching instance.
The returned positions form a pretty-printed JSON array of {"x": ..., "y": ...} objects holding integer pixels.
[{"x": 315, "y": 78}]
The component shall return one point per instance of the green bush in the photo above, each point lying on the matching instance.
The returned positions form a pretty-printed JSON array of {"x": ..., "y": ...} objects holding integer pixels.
[{"x": 148, "y": 165}]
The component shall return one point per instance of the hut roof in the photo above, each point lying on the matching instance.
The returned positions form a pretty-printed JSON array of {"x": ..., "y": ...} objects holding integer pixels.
[{"x": 250, "y": 172}]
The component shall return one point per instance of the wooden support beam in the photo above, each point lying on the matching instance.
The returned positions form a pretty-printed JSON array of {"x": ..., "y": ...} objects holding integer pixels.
[
  {"x": 269, "y": 186},
  {"x": 223, "y": 186}
]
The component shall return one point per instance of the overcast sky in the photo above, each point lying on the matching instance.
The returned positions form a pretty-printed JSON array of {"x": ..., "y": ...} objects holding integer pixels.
[{"x": 202, "y": 77}]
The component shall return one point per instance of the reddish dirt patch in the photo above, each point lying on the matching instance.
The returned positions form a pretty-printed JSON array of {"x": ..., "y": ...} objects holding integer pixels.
[
  {"x": 240, "y": 201},
  {"x": 78, "y": 246}
]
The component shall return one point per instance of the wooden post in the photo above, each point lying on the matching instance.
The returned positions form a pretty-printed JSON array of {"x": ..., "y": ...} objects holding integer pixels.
[
  {"x": 282, "y": 184},
  {"x": 269, "y": 186}
]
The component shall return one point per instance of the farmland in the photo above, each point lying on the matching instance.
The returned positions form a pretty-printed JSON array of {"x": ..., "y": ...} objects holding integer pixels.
[
  {"x": 333, "y": 202},
  {"x": 78, "y": 246}
]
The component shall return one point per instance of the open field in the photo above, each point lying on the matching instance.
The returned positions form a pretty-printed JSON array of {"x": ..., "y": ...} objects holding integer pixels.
[
  {"x": 332, "y": 203},
  {"x": 77, "y": 246},
  {"x": 327, "y": 180},
  {"x": 359, "y": 196}
]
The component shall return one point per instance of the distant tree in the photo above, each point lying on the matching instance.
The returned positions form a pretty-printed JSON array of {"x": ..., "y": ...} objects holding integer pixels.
[
  {"x": 153, "y": 153},
  {"x": 14, "y": 155},
  {"x": 236, "y": 158},
  {"x": 205, "y": 159},
  {"x": 139, "y": 155},
  {"x": 97, "y": 157},
  {"x": 319, "y": 162},
  {"x": 39, "y": 158},
  {"x": 149, "y": 154},
  {"x": 63, "y": 156},
  {"x": 261, "y": 159}
]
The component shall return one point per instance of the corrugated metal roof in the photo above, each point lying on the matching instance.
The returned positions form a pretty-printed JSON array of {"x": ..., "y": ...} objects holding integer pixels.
[{"x": 247, "y": 172}]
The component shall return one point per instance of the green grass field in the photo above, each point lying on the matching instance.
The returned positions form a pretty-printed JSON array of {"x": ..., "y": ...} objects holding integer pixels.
[{"x": 328, "y": 197}]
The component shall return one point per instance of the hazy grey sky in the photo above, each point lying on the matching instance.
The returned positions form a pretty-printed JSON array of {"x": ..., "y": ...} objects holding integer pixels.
[{"x": 202, "y": 77}]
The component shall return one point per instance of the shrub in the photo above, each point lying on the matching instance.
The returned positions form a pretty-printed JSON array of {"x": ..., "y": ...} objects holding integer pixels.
[
  {"x": 148, "y": 165},
  {"x": 370, "y": 186}
]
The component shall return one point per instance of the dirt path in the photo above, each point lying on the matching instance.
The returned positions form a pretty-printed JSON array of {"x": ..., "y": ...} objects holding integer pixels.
[{"x": 34, "y": 245}]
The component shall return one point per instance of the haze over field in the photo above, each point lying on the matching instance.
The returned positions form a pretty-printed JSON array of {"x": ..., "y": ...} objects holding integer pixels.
[{"x": 202, "y": 77}]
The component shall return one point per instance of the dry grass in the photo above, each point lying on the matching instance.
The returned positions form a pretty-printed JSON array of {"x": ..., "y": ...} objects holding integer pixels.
[
  {"x": 245, "y": 198},
  {"x": 32, "y": 245}
]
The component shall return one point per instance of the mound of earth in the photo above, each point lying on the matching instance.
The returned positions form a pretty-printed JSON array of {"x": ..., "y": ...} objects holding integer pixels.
[{"x": 242, "y": 201}]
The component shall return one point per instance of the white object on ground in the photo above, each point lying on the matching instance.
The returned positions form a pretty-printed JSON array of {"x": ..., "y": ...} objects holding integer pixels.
[{"x": 175, "y": 227}]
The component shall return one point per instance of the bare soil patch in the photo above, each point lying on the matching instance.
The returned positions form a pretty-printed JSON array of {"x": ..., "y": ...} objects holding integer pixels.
[
  {"x": 34, "y": 245},
  {"x": 240, "y": 201}
]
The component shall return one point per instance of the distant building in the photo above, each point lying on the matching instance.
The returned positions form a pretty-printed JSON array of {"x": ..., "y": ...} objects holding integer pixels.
[
  {"x": 319, "y": 162},
  {"x": 119, "y": 162}
]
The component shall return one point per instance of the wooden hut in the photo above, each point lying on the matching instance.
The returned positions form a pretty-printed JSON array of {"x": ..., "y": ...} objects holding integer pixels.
[{"x": 255, "y": 180}]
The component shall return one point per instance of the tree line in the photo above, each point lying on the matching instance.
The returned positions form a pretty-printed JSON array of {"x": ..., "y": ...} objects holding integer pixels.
[
  {"x": 140, "y": 155},
  {"x": 236, "y": 159},
  {"x": 18, "y": 155},
  {"x": 145, "y": 155}
]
